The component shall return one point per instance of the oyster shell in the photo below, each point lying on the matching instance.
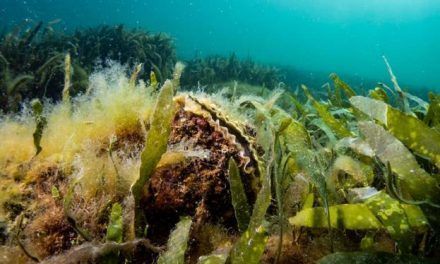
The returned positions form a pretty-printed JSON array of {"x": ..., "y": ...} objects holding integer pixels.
[{"x": 192, "y": 177}]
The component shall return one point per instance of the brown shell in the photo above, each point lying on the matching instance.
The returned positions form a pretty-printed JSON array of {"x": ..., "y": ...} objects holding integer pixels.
[{"x": 199, "y": 186}]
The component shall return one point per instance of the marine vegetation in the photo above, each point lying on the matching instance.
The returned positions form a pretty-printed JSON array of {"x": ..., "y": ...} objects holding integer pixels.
[
  {"x": 221, "y": 69},
  {"x": 32, "y": 58},
  {"x": 144, "y": 172}
]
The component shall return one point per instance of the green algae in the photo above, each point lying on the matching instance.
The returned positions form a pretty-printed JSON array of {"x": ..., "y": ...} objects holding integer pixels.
[
  {"x": 157, "y": 139},
  {"x": 32, "y": 66},
  {"x": 371, "y": 257},
  {"x": 337, "y": 126},
  {"x": 289, "y": 147},
  {"x": 238, "y": 195},
  {"x": 40, "y": 121},
  {"x": 341, "y": 85},
  {"x": 213, "y": 259},
  {"x": 177, "y": 243},
  {"x": 357, "y": 173},
  {"x": 432, "y": 117},
  {"x": 414, "y": 181},
  {"x": 220, "y": 69},
  {"x": 377, "y": 212},
  {"x": 115, "y": 225},
  {"x": 251, "y": 244},
  {"x": 343, "y": 216},
  {"x": 414, "y": 133},
  {"x": 250, "y": 247},
  {"x": 393, "y": 217},
  {"x": 379, "y": 94},
  {"x": 416, "y": 218},
  {"x": 423, "y": 140}
]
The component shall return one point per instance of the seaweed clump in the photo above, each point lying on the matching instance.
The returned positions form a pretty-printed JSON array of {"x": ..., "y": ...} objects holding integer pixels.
[
  {"x": 32, "y": 58},
  {"x": 221, "y": 69}
]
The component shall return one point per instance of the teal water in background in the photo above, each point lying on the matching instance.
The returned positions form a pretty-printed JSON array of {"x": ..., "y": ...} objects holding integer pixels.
[{"x": 344, "y": 36}]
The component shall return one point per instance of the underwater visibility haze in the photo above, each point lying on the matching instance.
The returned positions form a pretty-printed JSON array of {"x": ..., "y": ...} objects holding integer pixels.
[
  {"x": 248, "y": 131},
  {"x": 346, "y": 36}
]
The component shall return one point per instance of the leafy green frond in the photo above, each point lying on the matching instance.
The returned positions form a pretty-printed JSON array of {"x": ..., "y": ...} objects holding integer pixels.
[
  {"x": 155, "y": 146},
  {"x": 238, "y": 195},
  {"x": 177, "y": 243},
  {"x": 337, "y": 126}
]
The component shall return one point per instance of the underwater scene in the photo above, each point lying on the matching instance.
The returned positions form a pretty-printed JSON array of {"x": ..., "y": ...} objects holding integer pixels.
[{"x": 213, "y": 132}]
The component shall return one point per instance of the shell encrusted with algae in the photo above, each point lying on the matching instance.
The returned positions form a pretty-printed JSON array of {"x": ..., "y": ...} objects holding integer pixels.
[{"x": 192, "y": 176}]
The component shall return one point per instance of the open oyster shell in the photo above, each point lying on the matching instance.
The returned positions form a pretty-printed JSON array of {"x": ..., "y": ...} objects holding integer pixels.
[{"x": 192, "y": 176}]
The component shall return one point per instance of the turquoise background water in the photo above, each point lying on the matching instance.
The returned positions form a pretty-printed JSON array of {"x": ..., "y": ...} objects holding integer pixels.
[{"x": 343, "y": 36}]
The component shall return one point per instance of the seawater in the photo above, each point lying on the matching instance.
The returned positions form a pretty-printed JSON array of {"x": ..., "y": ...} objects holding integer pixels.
[{"x": 322, "y": 36}]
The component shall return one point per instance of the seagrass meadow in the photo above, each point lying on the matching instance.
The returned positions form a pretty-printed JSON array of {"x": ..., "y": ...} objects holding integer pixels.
[{"x": 147, "y": 159}]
